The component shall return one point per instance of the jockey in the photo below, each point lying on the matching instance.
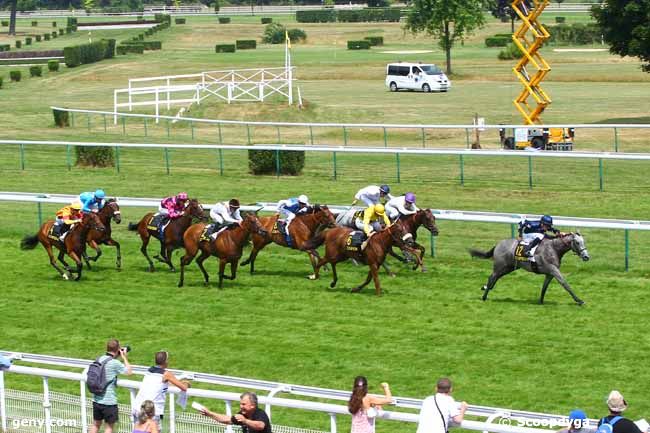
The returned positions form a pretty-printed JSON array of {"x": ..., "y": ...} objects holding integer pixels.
[
  {"x": 173, "y": 206},
  {"x": 534, "y": 231},
  {"x": 92, "y": 201},
  {"x": 402, "y": 205},
  {"x": 67, "y": 216},
  {"x": 226, "y": 212},
  {"x": 290, "y": 207},
  {"x": 371, "y": 195},
  {"x": 373, "y": 216}
]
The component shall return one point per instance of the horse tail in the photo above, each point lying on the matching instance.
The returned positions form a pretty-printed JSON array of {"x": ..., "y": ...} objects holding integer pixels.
[
  {"x": 29, "y": 242},
  {"x": 315, "y": 242},
  {"x": 482, "y": 254},
  {"x": 133, "y": 227}
]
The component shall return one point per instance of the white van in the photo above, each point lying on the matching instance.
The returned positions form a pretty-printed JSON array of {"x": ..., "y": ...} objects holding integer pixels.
[{"x": 416, "y": 76}]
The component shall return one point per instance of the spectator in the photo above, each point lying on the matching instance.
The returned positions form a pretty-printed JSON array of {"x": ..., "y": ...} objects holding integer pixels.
[
  {"x": 364, "y": 407},
  {"x": 249, "y": 417},
  {"x": 440, "y": 410},
  {"x": 617, "y": 404},
  {"x": 105, "y": 405},
  {"x": 145, "y": 422},
  {"x": 155, "y": 385},
  {"x": 578, "y": 423}
]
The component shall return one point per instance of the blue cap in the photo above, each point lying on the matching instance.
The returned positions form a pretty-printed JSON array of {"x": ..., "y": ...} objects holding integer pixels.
[
  {"x": 100, "y": 193},
  {"x": 577, "y": 414}
]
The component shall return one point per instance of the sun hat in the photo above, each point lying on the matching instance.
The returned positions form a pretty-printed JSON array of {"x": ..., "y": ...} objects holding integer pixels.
[{"x": 616, "y": 402}]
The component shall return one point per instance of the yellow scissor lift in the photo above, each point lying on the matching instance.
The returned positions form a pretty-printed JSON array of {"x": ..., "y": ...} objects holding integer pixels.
[{"x": 529, "y": 38}]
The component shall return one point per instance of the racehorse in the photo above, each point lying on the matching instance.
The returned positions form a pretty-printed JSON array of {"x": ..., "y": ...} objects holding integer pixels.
[
  {"x": 227, "y": 247},
  {"x": 173, "y": 235},
  {"x": 337, "y": 250},
  {"x": 110, "y": 211},
  {"x": 74, "y": 243},
  {"x": 303, "y": 227},
  {"x": 548, "y": 258},
  {"x": 411, "y": 224}
]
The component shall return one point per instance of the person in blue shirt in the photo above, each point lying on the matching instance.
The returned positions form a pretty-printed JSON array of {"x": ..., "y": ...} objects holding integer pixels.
[
  {"x": 290, "y": 207},
  {"x": 533, "y": 231},
  {"x": 92, "y": 201}
]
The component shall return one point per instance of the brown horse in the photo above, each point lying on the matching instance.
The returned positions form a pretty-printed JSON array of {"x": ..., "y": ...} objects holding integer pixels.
[
  {"x": 337, "y": 250},
  {"x": 173, "y": 233},
  {"x": 227, "y": 247},
  {"x": 304, "y": 226},
  {"x": 110, "y": 211},
  {"x": 411, "y": 224},
  {"x": 74, "y": 244}
]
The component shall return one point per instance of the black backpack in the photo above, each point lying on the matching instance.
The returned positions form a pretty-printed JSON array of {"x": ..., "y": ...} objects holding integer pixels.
[{"x": 96, "y": 376}]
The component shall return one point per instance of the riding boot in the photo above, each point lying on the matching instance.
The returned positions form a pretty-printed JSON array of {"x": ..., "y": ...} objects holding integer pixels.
[{"x": 531, "y": 246}]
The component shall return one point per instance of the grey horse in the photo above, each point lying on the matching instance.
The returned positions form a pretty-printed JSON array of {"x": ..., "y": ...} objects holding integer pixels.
[{"x": 548, "y": 258}]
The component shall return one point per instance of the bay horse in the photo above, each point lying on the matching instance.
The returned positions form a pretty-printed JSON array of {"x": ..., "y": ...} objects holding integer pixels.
[
  {"x": 228, "y": 247},
  {"x": 548, "y": 258},
  {"x": 303, "y": 227},
  {"x": 411, "y": 223},
  {"x": 74, "y": 243},
  {"x": 173, "y": 236},
  {"x": 336, "y": 250},
  {"x": 110, "y": 211}
]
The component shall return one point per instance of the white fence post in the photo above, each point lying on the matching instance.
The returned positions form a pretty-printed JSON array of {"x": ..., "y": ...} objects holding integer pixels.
[
  {"x": 130, "y": 98},
  {"x": 82, "y": 400},
  {"x": 168, "y": 94},
  {"x": 172, "y": 414},
  {"x": 158, "y": 105},
  {"x": 229, "y": 413},
  {"x": 3, "y": 403},
  {"x": 332, "y": 423},
  {"x": 47, "y": 406}
]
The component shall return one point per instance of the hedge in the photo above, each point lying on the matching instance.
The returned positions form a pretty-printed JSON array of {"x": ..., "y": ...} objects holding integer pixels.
[
  {"x": 53, "y": 65},
  {"x": 54, "y": 34},
  {"x": 96, "y": 156},
  {"x": 316, "y": 16},
  {"x": 224, "y": 48},
  {"x": 71, "y": 22},
  {"x": 15, "y": 75},
  {"x": 35, "y": 71},
  {"x": 34, "y": 23},
  {"x": 47, "y": 36},
  {"x": 28, "y": 40},
  {"x": 1, "y": 79},
  {"x": 130, "y": 48},
  {"x": 224, "y": 20},
  {"x": 5, "y": 24},
  {"x": 67, "y": 30},
  {"x": 30, "y": 54},
  {"x": 86, "y": 53},
  {"x": 264, "y": 161},
  {"x": 179, "y": 20},
  {"x": 369, "y": 15},
  {"x": 5, "y": 47},
  {"x": 163, "y": 18},
  {"x": 497, "y": 41},
  {"x": 560, "y": 20},
  {"x": 510, "y": 52},
  {"x": 267, "y": 20},
  {"x": 61, "y": 118},
  {"x": 110, "y": 48},
  {"x": 117, "y": 23},
  {"x": 246, "y": 44},
  {"x": 38, "y": 38},
  {"x": 53, "y": 23},
  {"x": 19, "y": 44},
  {"x": 297, "y": 35},
  {"x": 375, "y": 40},
  {"x": 152, "y": 45},
  {"x": 578, "y": 33},
  {"x": 358, "y": 45}
]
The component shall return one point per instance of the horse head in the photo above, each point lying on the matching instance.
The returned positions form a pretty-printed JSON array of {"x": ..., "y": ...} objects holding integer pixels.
[
  {"x": 429, "y": 221},
  {"x": 91, "y": 219},
  {"x": 325, "y": 216},
  {"x": 399, "y": 235},
  {"x": 253, "y": 225},
  {"x": 194, "y": 209},
  {"x": 114, "y": 210},
  {"x": 578, "y": 246}
]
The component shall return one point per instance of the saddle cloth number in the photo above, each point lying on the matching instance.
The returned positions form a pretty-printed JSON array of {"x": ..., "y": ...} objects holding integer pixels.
[{"x": 520, "y": 254}]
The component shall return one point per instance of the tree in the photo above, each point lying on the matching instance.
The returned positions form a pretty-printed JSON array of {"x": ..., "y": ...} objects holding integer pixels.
[
  {"x": 625, "y": 26},
  {"x": 503, "y": 10},
  {"x": 446, "y": 20}
]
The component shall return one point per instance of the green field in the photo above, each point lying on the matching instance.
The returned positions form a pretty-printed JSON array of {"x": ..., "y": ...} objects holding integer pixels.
[{"x": 277, "y": 325}]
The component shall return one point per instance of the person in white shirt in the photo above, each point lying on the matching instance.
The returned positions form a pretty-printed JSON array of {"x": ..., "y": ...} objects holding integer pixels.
[
  {"x": 440, "y": 411},
  {"x": 371, "y": 195},
  {"x": 226, "y": 212},
  {"x": 402, "y": 205}
]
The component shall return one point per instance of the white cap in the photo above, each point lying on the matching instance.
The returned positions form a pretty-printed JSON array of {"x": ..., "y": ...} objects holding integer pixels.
[{"x": 302, "y": 198}]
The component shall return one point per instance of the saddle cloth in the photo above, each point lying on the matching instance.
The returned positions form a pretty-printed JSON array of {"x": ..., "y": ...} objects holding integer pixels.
[
  {"x": 55, "y": 232},
  {"x": 354, "y": 241},
  {"x": 212, "y": 232}
]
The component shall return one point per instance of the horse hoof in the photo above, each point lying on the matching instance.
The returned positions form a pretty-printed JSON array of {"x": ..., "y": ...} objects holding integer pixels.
[
  {"x": 484, "y": 298},
  {"x": 580, "y": 303},
  {"x": 312, "y": 277},
  {"x": 66, "y": 277},
  {"x": 484, "y": 288},
  {"x": 355, "y": 290}
]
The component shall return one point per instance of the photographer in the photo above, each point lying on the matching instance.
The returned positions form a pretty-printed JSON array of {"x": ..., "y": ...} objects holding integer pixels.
[
  {"x": 249, "y": 417},
  {"x": 105, "y": 405}
]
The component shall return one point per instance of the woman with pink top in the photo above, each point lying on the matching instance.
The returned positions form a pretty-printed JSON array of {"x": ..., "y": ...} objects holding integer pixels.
[{"x": 364, "y": 407}]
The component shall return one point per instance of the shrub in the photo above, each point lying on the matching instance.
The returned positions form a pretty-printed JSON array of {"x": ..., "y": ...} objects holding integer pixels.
[
  {"x": 297, "y": 35},
  {"x": 86, "y": 53},
  {"x": 110, "y": 48},
  {"x": 246, "y": 44},
  {"x": 369, "y": 15},
  {"x": 28, "y": 40},
  {"x": 163, "y": 18},
  {"x": 54, "y": 34},
  {"x": 358, "y": 45},
  {"x": 224, "y": 48},
  {"x": 130, "y": 48},
  {"x": 375, "y": 40},
  {"x": 316, "y": 16},
  {"x": 67, "y": 30},
  {"x": 179, "y": 20},
  {"x": 560, "y": 20},
  {"x": 152, "y": 45},
  {"x": 5, "y": 47},
  {"x": 267, "y": 20},
  {"x": 47, "y": 36},
  {"x": 497, "y": 41},
  {"x": 264, "y": 161},
  {"x": 19, "y": 44},
  {"x": 274, "y": 33},
  {"x": 510, "y": 52},
  {"x": 34, "y": 23},
  {"x": 1, "y": 79},
  {"x": 71, "y": 22},
  {"x": 53, "y": 65},
  {"x": 61, "y": 118},
  {"x": 38, "y": 38},
  {"x": 95, "y": 156},
  {"x": 224, "y": 20},
  {"x": 35, "y": 71},
  {"x": 15, "y": 75},
  {"x": 5, "y": 24},
  {"x": 53, "y": 23}
]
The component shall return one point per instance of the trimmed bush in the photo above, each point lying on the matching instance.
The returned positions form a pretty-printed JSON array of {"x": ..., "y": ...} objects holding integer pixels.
[
  {"x": 497, "y": 41},
  {"x": 110, "y": 48},
  {"x": 86, "y": 53},
  {"x": 19, "y": 44},
  {"x": 510, "y": 52},
  {"x": 130, "y": 48},
  {"x": 577, "y": 33},
  {"x": 246, "y": 44},
  {"x": 297, "y": 35},
  {"x": 47, "y": 36},
  {"x": 152, "y": 45},
  {"x": 316, "y": 16},
  {"x": 15, "y": 75},
  {"x": 264, "y": 161},
  {"x": 64, "y": 31},
  {"x": 369, "y": 15},
  {"x": 100, "y": 156},
  {"x": 5, "y": 47},
  {"x": 54, "y": 35},
  {"x": 36, "y": 71},
  {"x": 274, "y": 33},
  {"x": 358, "y": 45},
  {"x": 28, "y": 40},
  {"x": 38, "y": 38},
  {"x": 267, "y": 20},
  {"x": 179, "y": 20},
  {"x": 560, "y": 20},
  {"x": 71, "y": 22},
  {"x": 163, "y": 18},
  {"x": 34, "y": 23},
  {"x": 375, "y": 41},
  {"x": 53, "y": 23},
  {"x": 224, "y": 20},
  {"x": 61, "y": 118},
  {"x": 224, "y": 48},
  {"x": 53, "y": 65},
  {"x": 5, "y": 24}
]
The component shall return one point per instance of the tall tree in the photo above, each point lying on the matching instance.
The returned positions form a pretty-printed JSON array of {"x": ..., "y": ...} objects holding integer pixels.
[
  {"x": 625, "y": 25},
  {"x": 448, "y": 21},
  {"x": 13, "y": 5},
  {"x": 503, "y": 10}
]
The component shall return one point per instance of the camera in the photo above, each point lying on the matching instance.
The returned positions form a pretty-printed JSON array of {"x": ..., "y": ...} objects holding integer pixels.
[{"x": 126, "y": 348}]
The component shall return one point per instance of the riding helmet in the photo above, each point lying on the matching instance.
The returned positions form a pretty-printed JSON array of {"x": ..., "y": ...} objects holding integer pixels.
[
  {"x": 384, "y": 189},
  {"x": 302, "y": 198},
  {"x": 182, "y": 196},
  {"x": 547, "y": 219},
  {"x": 100, "y": 194},
  {"x": 234, "y": 203},
  {"x": 409, "y": 197},
  {"x": 76, "y": 206},
  {"x": 379, "y": 209}
]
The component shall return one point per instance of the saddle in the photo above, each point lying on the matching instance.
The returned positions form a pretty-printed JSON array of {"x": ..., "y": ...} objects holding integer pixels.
[
  {"x": 280, "y": 227},
  {"x": 355, "y": 240},
  {"x": 212, "y": 231},
  {"x": 56, "y": 231},
  {"x": 156, "y": 223}
]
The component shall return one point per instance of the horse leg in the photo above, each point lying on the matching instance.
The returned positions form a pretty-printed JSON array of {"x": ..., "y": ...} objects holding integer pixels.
[
  {"x": 168, "y": 258},
  {"x": 161, "y": 257},
  {"x": 374, "y": 270},
  {"x": 86, "y": 259},
  {"x": 397, "y": 256},
  {"x": 77, "y": 260},
  {"x": 233, "y": 269},
  {"x": 98, "y": 250},
  {"x": 492, "y": 280},
  {"x": 143, "y": 250},
  {"x": 387, "y": 268},
  {"x": 185, "y": 260},
  {"x": 61, "y": 258},
  {"x": 63, "y": 273},
  {"x": 199, "y": 261},
  {"x": 419, "y": 258},
  {"x": 555, "y": 272},
  {"x": 222, "y": 268},
  {"x": 316, "y": 273},
  {"x": 335, "y": 276},
  {"x": 116, "y": 244},
  {"x": 547, "y": 281},
  {"x": 251, "y": 259},
  {"x": 365, "y": 283}
]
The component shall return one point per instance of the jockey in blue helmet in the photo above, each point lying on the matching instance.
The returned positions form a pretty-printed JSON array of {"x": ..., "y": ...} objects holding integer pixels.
[
  {"x": 533, "y": 231},
  {"x": 92, "y": 201}
]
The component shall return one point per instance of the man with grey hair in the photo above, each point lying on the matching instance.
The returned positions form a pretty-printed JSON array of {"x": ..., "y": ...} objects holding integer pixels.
[
  {"x": 250, "y": 418},
  {"x": 440, "y": 410}
]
